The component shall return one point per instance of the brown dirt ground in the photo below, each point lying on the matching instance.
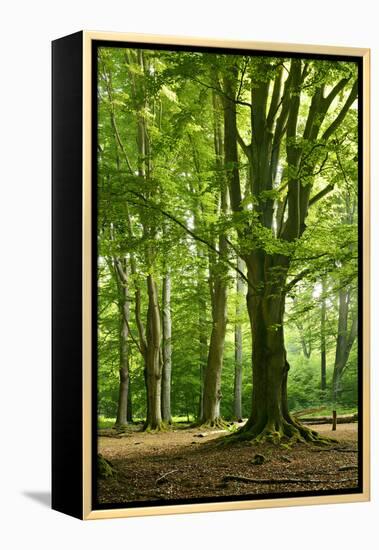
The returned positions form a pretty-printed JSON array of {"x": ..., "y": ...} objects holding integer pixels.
[{"x": 189, "y": 463}]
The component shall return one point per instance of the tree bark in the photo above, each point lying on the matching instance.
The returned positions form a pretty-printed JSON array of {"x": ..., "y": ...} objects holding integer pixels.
[
  {"x": 166, "y": 349},
  {"x": 270, "y": 365},
  {"x": 270, "y": 418}
]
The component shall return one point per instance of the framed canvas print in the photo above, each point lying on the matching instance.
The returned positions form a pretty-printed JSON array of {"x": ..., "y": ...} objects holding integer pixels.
[{"x": 210, "y": 275}]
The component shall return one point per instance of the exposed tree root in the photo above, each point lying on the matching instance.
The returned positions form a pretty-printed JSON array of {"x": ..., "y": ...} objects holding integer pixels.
[
  {"x": 120, "y": 427},
  {"x": 216, "y": 423},
  {"x": 105, "y": 468},
  {"x": 158, "y": 427},
  {"x": 285, "y": 432}
]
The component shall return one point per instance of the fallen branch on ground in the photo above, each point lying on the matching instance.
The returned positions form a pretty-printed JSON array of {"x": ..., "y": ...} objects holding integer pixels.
[
  {"x": 163, "y": 477},
  {"x": 243, "y": 479},
  {"x": 303, "y": 412},
  {"x": 334, "y": 449},
  {"x": 344, "y": 419}
]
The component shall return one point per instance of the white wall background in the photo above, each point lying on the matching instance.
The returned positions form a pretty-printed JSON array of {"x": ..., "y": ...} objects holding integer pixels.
[{"x": 26, "y": 31}]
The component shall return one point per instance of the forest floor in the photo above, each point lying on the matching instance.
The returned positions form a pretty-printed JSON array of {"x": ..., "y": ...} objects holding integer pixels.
[{"x": 188, "y": 463}]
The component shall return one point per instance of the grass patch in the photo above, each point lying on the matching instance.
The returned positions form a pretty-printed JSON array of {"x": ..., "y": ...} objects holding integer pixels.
[{"x": 104, "y": 422}]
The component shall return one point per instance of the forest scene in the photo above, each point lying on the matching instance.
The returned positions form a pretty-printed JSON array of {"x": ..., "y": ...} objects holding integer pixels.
[{"x": 227, "y": 275}]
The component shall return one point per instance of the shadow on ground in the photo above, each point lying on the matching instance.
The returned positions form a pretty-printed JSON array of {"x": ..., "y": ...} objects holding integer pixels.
[{"x": 42, "y": 497}]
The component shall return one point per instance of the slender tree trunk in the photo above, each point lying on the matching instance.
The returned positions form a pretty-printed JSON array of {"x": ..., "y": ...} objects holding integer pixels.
[
  {"x": 166, "y": 349},
  {"x": 212, "y": 376},
  {"x": 212, "y": 380},
  {"x": 121, "y": 274},
  {"x": 345, "y": 340},
  {"x": 237, "y": 406},
  {"x": 306, "y": 342},
  {"x": 203, "y": 345},
  {"x": 201, "y": 288},
  {"x": 218, "y": 289},
  {"x": 129, "y": 412},
  {"x": 151, "y": 345},
  {"x": 305, "y": 346},
  {"x": 122, "y": 408},
  {"x": 323, "y": 339},
  {"x": 153, "y": 364}
]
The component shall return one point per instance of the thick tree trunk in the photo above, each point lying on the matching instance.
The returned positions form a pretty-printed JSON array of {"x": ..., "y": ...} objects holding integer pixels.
[
  {"x": 268, "y": 357},
  {"x": 270, "y": 418},
  {"x": 166, "y": 349},
  {"x": 153, "y": 359},
  {"x": 237, "y": 405}
]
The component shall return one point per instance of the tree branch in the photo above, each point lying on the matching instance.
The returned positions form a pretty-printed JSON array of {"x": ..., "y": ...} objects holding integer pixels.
[
  {"x": 341, "y": 115},
  {"x": 275, "y": 102},
  {"x": 171, "y": 217},
  {"x": 281, "y": 481},
  {"x": 247, "y": 61},
  {"x": 297, "y": 279},
  {"x": 245, "y": 148},
  {"x": 221, "y": 91},
  {"x": 113, "y": 119},
  {"x": 335, "y": 91},
  {"x": 321, "y": 194}
]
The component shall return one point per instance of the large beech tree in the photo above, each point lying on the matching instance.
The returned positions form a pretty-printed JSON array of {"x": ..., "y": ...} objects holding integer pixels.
[{"x": 292, "y": 138}]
